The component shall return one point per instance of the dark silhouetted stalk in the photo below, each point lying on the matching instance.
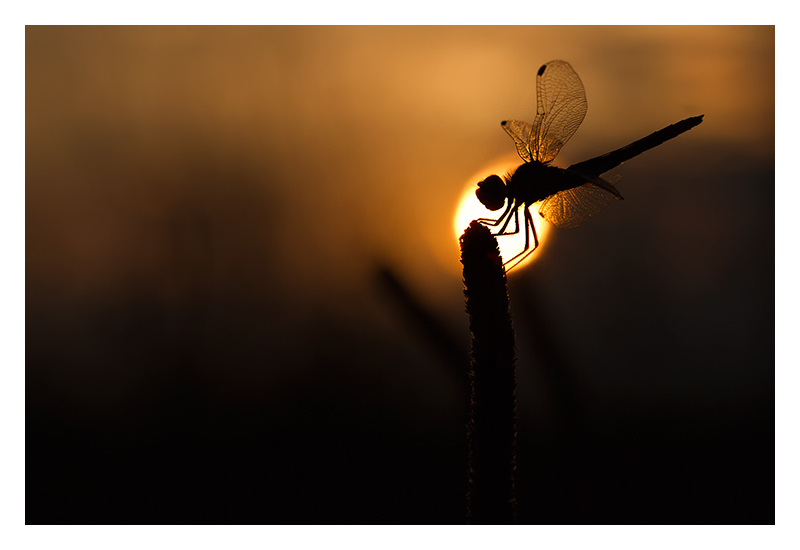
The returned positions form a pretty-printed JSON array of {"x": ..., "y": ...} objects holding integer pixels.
[{"x": 492, "y": 427}]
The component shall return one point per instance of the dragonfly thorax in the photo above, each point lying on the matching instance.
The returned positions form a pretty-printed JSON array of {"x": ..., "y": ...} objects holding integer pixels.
[{"x": 534, "y": 181}]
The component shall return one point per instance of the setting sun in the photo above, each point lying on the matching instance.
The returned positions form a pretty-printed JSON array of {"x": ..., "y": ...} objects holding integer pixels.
[{"x": 469, "y": 208}]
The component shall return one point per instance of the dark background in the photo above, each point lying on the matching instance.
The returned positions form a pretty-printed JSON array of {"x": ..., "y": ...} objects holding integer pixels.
[{"x": 243, "y": 293}]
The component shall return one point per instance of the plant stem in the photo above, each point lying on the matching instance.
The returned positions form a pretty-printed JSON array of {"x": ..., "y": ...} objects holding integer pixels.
[{"x": 492, "y": 427}]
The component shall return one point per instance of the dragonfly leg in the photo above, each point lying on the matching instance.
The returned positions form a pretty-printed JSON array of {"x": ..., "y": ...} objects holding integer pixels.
[
  {"x": 507, "y": 217},
  {"x": 529, "y": 222},
  {"x": 502, "y": 232},
  {"x": 495, "y": 222},
  {"x": 505, "y": 225},
  {"x": 526, "y": 251}
]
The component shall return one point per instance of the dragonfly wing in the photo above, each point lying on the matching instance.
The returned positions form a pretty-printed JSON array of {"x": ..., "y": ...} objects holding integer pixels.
[
  {"x": 572, "y": 207},
  {"x": 606, "y": 182},
  {"x": 520, "y": 132},
  {"x": 560, "y": 108}
]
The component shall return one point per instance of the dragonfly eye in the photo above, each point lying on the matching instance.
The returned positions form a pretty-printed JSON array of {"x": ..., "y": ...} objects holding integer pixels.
[{"x": 492, "y": 192}]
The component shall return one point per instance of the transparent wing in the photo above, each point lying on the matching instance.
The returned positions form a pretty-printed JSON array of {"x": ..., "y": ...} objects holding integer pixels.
[
  {"x": 574, "y": 206},
  {"x": 560, "y": 108},
  {"x": 520, "y": 132}
]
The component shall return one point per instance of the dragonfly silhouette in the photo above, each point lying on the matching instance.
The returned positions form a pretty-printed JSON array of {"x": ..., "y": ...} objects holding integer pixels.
[{"x": 566, "y": 197}]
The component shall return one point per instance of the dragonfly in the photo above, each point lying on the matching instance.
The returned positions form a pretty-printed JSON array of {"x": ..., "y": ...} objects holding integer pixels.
[{"x": 566, "y": 197}]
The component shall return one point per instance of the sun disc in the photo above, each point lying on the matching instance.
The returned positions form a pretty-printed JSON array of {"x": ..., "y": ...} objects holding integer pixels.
[{"x": 470, "y": 208}]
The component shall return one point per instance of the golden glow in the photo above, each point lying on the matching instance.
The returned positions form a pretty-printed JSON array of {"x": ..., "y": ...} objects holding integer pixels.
[{"x": 470, "y": 208}]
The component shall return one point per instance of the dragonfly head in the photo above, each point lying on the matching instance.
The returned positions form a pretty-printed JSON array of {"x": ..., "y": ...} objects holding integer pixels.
[{"x": 492, "y": 192}]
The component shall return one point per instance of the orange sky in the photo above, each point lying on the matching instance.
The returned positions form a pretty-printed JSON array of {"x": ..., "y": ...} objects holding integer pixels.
[{"x": 359, "y": 139}]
